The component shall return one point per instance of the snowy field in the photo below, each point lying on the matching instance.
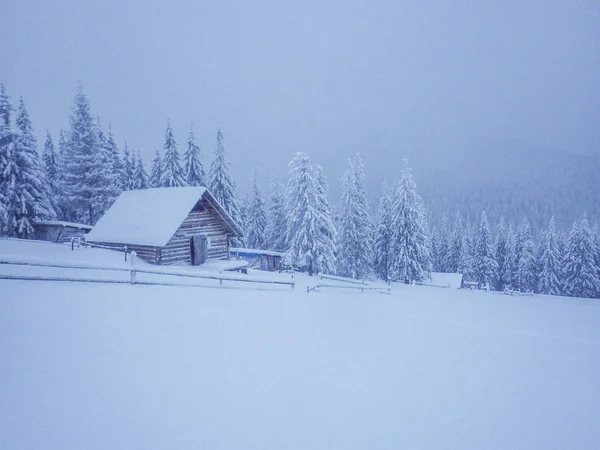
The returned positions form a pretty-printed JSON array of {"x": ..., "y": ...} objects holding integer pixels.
[{"x": 97, "y": 366}]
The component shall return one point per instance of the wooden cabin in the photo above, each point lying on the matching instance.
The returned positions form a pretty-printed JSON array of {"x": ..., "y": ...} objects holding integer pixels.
[
  {"x": 258, "y": 259},
  {"x": 184, "y": 225},
  {"x": 59, "y": 231}
]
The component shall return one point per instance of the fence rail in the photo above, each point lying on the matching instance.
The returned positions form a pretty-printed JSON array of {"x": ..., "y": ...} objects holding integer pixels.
[
  {"x": 362, "y": 288},
  {"x": 133, "y": 270}
]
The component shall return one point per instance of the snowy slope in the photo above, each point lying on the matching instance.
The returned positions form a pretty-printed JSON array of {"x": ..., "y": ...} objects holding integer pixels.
[{"x": 152, "y": 367}]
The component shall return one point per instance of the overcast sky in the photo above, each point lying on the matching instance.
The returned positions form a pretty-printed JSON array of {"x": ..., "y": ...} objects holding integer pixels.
[{"x": 328, "y": 77}]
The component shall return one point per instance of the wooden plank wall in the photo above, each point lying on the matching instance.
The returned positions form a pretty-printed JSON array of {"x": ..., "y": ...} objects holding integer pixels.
[
  {"x": 58, "y": 233},
  {"x": 177, "y": 250}
]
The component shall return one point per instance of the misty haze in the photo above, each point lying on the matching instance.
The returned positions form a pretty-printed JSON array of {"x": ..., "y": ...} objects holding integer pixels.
[{"x": 315, "y": 225}]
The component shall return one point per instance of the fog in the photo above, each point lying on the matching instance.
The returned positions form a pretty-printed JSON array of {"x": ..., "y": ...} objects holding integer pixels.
[{"x": 434, "y": 80}]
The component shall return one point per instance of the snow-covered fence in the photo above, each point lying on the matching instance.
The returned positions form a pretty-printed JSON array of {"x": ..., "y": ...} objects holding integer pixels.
[
  {"x": 343, "y": 279},
  {"x": 133, "y": 270},
  {"x": 362, "y": 288}
]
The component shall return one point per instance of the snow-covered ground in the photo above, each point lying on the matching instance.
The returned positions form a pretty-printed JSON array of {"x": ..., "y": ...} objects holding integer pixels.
[{"x": 100, "y": 366}]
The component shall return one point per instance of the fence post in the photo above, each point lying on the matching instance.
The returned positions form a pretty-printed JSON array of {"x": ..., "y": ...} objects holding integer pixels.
[
  {"x": 133, "y": 273},
  {"x": 72, "y": 244},
  {"x": 125, "y": 253},
  {"x": 221, "y": 279}
]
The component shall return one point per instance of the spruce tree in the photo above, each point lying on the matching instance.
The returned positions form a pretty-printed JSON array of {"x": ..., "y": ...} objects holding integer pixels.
[
  {"x": 32, "y": 191},
  {"x": 526, "y": 263},
  {"x": 243, "y": 218},
  {"x": 50, "y": 159},
  {"x": 410, "y": 241},
  {"x": 127, "y": 182},
  {"x": 116, "y": 165},
  {"x": 503, "y": 258},
  {"x": 484, "y": 264},
  {"x": 276, "y": 220},
  {"x": 194, "y": 170},
  {"x": 172, "y": 175},
  {"x": 140, "y": 177},
  {"x": 355, "y": 248},
  {"x": 582, "y": 277},
  {"x": 256, "y": 220},
  {"x": 8, "y": 168},
  {"x": 383, "y": 235},
  {"x": 156, "y": 171},
  {"x": 549, "y": 280},
  {"x": 221, "y": 184},
  {"x": 443, "y": 248},
  {"x": 435, "y": 264},
  {"x": 87, "y": 181},
  {"x": 457, "y": 244},
  {"x": 310, "y": 231}
]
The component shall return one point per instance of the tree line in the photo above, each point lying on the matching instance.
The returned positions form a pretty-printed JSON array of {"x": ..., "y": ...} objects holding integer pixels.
[{"x": 79, "y": 180}]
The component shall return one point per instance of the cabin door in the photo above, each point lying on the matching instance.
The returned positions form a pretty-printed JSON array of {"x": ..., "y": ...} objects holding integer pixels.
[{"x": 198, "y": 249}]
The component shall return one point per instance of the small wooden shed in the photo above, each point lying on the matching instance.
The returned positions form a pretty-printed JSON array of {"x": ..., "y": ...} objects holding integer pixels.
[
  {"x": 59, "y": 231},
  {"x": 259, "y": 259},
  {"x": 184, "y": 225}
]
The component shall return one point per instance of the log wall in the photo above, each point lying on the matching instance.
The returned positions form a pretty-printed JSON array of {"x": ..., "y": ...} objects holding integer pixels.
[
  {"x": 145, "y": 252},
  {"x": 177, "y": 250}
]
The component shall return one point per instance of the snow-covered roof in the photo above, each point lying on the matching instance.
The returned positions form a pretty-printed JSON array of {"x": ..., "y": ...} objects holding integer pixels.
[
  {"x": 252, "y": 251},
  {"x": 62, "y": 223},
  {"x": 151, "y": 216}
]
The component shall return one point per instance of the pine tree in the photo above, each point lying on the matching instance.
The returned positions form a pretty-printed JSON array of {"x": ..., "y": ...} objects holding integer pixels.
[
  {"x": 50, "y": 159},
  {"x": 526, "y": 263},
  {"x": 582, "y": 277},
  {"x": 221, "y": 184},
  {"x": 127, "y": 174},
  {"x": 172, "y": 175},
  {"x": 256, "y": 220},
  {"x": 116, "y": 165},
  {"x": 140, "y": 177},
  {"x": 276, "y": 219},
  {"x": 503, "y": 258},
  {"x": 243, "y": 218},
  {"x": 549, "y": 280},
  {"x": 32, "y": 191},
  {"x": 310, "y": 230},
  {"x": 355, "y": 248},
  {"x": 443, "y": 248},
  {"x": 457, "y": 244},
  {"x": 156, "y": 170},
  {"x": 87, "y": 182},
  {"x": 8, "y": 169},
  {"x": 383, "y": 235},
  {"x": 410, "y": 242},
  {"x": 194, "y": 170},
  {"x": 484, "y": 264}
]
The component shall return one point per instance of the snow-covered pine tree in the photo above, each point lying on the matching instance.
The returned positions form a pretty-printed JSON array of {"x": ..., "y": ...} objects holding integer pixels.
[
  {"x": 383, "y": 235},
  {"x": 326, "y": 249},
  {"x": 194, "y": 169},
  {"x": 582, "y": 277},
  {"x": 484, "y": 265},
  {"x": 116, "y": 165},
  {"x": 221, "y": 185},
  {"x": 410, "y": 242},
  {"x": 468, "y": 255},
  {"x": 276, "y": 220},
  {"x": 526, "y": 263},
  {"x": 243, "y": 218},
  {"x": 310, "y": 232},
  {"x": 140, "y": 177},
  {"x": 172, "y": 175},
  {"x": 501, "y": 252},
  {"x": 510, "y": 259},
  {"x": 155, "y": 171},
  {"x": 8, "y": 167},
  {"x": 355, "y": 248},
  {"x": 443, "y": 248},
  {"x": 32, "y": 189},
  {"x": 457, "y": 244},
  {"x": 127, "y": 181},
  {"x": 256, "y": 220},
  {"x": 111, "y": 189},
  {"x": 435, "y": 264},
  {"x": 87, "y": 180},
  {"x": 550, "y": 259},
  {"x": 50, "y": 159}
]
